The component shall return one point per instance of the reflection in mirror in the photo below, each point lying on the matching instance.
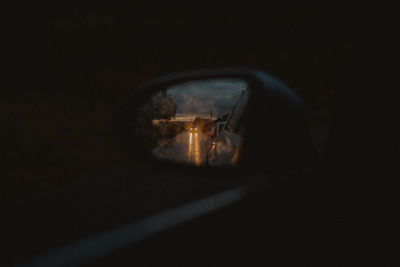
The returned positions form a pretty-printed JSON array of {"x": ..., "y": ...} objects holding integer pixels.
[{"x": 196, "y": 122}]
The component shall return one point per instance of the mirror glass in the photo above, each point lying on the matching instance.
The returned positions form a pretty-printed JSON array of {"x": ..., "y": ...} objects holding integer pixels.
[{"x": 196, "y": 122}]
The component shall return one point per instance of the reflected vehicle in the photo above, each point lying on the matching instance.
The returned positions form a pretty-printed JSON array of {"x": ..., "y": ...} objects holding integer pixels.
[
  {"x": 195, "y": 122},
  {"x": 193, "y": 129}
]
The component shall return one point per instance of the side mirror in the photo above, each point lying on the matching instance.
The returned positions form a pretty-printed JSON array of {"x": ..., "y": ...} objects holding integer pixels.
[{"x": 216, "y": 118}]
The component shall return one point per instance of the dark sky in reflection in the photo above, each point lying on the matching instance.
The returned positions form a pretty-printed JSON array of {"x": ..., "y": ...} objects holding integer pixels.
[{"x": 200, "y": 97}]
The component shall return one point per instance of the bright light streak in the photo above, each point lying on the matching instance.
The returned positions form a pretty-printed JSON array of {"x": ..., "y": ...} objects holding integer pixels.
[
  {"x": 197, "y": 158},
  {"x": 190, "y": 147},
  {"x": 194, "y": 151}
]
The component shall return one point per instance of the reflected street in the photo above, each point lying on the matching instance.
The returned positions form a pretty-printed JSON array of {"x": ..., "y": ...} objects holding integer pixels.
[{"x": 196, "y": 122}]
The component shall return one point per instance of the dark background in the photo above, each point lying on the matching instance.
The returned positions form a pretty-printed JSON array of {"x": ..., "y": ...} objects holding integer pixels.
[{"x": 68, "y": 69}]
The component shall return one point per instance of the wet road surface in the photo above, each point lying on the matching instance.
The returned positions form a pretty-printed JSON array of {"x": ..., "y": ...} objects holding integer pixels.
[{"x": 187, "y": 147}]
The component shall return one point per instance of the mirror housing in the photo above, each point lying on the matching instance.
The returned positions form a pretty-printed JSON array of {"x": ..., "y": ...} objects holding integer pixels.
[{"x": 276, "y": 136}]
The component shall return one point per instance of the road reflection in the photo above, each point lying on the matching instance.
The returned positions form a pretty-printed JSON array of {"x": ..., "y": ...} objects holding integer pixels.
[
  {"x": 189, "y": 147},
  {"x": 196, "y": 150}
]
